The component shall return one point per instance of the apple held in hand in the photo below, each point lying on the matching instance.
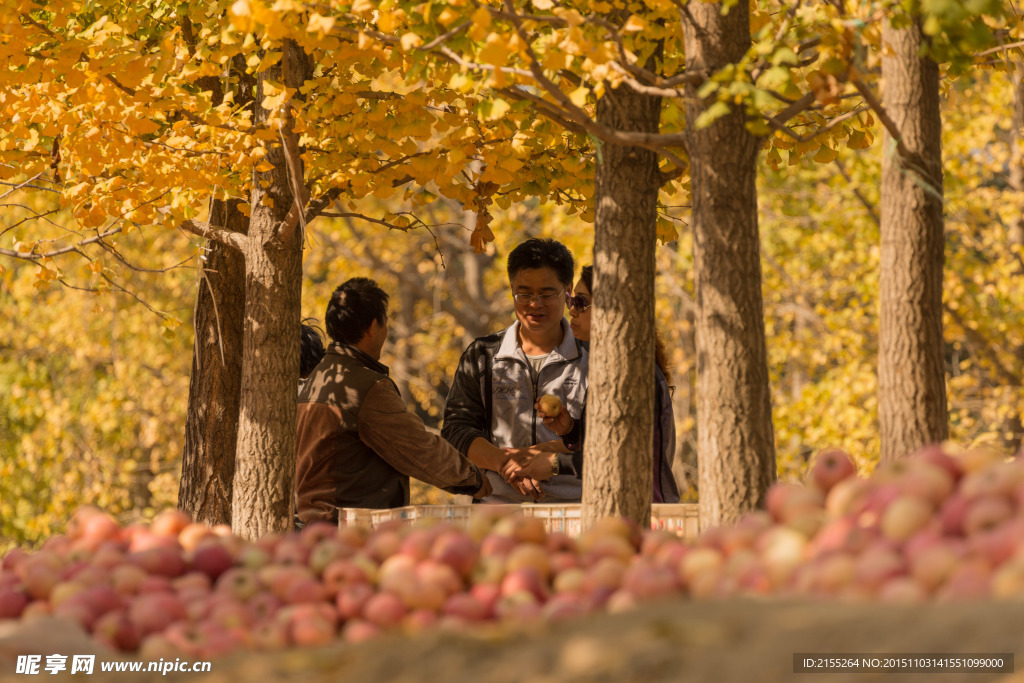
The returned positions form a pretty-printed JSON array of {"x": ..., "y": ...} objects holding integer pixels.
[{"x": 551, "y": 405}]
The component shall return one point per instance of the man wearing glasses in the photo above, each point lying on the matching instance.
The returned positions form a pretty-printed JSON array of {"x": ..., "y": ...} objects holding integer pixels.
[{"x": 491, "y": 407}]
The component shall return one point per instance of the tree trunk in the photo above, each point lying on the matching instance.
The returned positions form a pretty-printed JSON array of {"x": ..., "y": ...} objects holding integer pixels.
[
  {"x": 1013, "y": 428},
  {"x": 211, "y": 426},
  {"x": 911, "y": 372},
  {"x": 735, "y": 439},
  {"x": 620, "y": 404},
  {"x": 405, "y": 324},
  {"x": 263, "y": 495}
]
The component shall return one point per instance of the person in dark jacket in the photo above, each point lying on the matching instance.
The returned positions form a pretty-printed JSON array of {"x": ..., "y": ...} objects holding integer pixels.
[
  {"x": 490, "y": 407},
  {"x": 534, "y": 463},
  {"x": 358, "y": 444},
  {"x": 311, "y": 348}
]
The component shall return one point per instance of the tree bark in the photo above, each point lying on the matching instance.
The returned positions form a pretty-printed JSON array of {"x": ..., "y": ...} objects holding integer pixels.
[
  {"x": 263, "y": 494},
  {"x": 405, "y": 324},
  {"x": 735, "y": 444},
  {"x": 620, "y": 404},
  {"x": 911, "y": 371},
  {"x": 1013, "y": 427},
  {"x": 211, "y": 425}
]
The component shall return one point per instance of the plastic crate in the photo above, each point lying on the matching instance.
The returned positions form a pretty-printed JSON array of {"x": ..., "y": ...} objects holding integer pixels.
[
  {"x": 457, "y": 515},
  {"x": 405, "y": 514},
  {"x": 563, "y": 518},
  {"x": 682, "y": 519},
  {"x": 356, "y": 517}
]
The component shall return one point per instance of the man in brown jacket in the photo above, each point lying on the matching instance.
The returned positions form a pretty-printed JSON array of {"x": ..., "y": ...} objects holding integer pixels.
[{"x": 357, "y": 443}]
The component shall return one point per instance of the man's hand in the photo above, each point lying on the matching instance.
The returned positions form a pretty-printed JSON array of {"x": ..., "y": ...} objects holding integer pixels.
[
  {"x": 528, "y": 463},
  {"x": 559, "y": 424},
  {"x": 485, "y": 487},
  {"x": 528, "y": 487},
  {"x": 486, "y": 455}
]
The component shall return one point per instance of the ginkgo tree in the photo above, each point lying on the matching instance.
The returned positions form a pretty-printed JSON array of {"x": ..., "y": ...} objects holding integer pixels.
[
  {"x": 148, "y": 116},
  {"x": 143, "y": 141},
  {"x": 267, "y": 115},
  {"x": 677, "y": 98}
]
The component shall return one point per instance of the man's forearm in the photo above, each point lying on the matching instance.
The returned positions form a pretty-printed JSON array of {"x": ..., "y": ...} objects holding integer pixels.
[
  {"x": 486, "y": 455},
  {"x": 553, "y": 446}
]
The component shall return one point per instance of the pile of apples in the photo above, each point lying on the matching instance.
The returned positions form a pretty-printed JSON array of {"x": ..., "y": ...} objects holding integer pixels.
[{"x": 932, "y": 526}]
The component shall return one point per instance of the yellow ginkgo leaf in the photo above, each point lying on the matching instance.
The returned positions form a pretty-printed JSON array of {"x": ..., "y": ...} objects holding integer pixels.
[
  {"x": 826, "y": 155},
  {"x": 634, "y": 24},
  {"x": 319, "y": 23},
  {"x": 579, "y": 96}
]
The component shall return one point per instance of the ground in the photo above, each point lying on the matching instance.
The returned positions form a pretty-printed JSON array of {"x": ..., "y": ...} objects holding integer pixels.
[{"x": 677, "y": 641}]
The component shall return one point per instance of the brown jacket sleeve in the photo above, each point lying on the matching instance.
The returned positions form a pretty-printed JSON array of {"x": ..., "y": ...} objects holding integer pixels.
[{"x": 400, "y": 437}]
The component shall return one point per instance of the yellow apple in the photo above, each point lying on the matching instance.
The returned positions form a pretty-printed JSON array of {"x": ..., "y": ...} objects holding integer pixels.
[{"x": 551, "y": 405}]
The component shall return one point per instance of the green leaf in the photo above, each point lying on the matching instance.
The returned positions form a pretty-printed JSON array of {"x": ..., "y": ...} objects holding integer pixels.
[
  {"x": 784, "y": 55},
  {"x": 711, "y": 114}
]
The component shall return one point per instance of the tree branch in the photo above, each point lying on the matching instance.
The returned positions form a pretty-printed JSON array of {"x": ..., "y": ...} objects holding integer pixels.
[
  {"x": 858, "y": 194},
  {"x": 218, "y": 234},
  {"x": 34, "y": 256},
  {"x": 795, "y": 108},
  {"x": 653, "y": 141},
  {"x": 883, "y": 116},
  {"x": 984, "y": 345},
  {"x": 1000, "y": 48},
  {"x": 824, "y": 129}
]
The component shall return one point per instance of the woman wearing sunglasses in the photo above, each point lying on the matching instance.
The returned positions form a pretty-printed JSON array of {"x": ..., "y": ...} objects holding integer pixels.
[{"x": 536, "y": 461}]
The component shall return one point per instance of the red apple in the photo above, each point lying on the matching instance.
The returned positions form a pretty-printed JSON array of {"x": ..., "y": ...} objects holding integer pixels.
[
  {"x": 535, "y": 557},
  {"x": 12, "y": 603},
  {"x": 327, "y": 551},
  {"x": 646, "y": 581},
  {"x": 465, "y": 606},
  {"x": 986, "y": 512},
  {"x": 456, "y": 550},
  {"x": 525, "y": 579},
  {"x": 830, "y": 467},
  {"x": 352, "y": 598},
  {"x": 154, "y": 612},
  {"x": 191, "y": 535},
  {"x": 160, "y": 561},
  {"x": 384, "y": 610},
  {"x": 117, "y": 631},
  {"x": 170, "y": 523},
  {"x": 905, "y": 516},
  {"x": 212, "y": 559},
  {"x": 360, "y": 631},
  {"x": 241, "y": 582}
]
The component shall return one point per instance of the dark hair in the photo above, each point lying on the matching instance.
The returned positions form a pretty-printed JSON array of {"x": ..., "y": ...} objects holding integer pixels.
[
  {"x": 660, "y": 355},
  {"x": 538, "y": 253},
  {"x": 353, "y": 308},
  {"x": 587, "y": 278},
  {"x": 311, "y": 347}
]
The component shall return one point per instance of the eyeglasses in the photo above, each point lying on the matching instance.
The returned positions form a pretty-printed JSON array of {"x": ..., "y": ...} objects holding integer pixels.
[
  {"x": 543, "y": 299},
  {"x": 578, "y": 302}
]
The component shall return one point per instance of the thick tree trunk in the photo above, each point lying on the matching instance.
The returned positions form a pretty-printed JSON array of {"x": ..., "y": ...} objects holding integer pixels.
[
  {"x": 620, "y": 402},
  {"x": 684, "y": 466},
  {"x": 211, "y": 426},
  {"x": 1013, "y": 427},
  {"x": 911, "y": 372},
  {"x": 735, "y": 445},
  {"x": 263, "y": 496}
]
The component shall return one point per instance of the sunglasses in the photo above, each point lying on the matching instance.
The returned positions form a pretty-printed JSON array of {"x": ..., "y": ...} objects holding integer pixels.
[{"x": 577, "y": 302}]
